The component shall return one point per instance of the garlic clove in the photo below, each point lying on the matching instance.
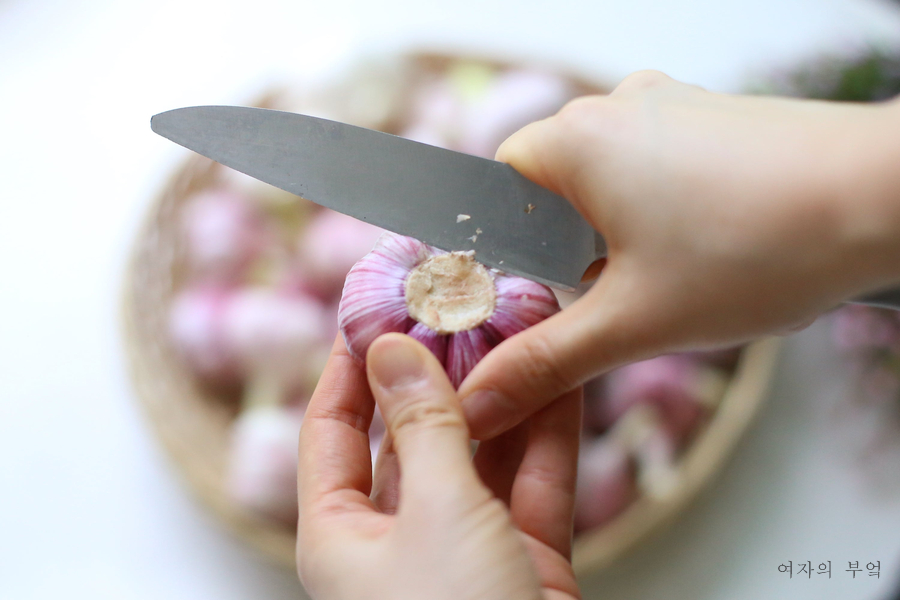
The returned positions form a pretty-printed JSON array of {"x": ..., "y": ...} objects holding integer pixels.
[
  {"x": 464, "y": 350},
  {"x": 643, "y": 432},
  {"x": 373, "y": 301},
  {"x": 432, "y": 340},
  {"x": 521, "y": 303},
  {"x": 858, "y": 328}
]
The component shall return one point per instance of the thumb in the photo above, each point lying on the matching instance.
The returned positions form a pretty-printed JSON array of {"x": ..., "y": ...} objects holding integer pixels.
[
  {"x": 602, "y": 330},
  {"x": 423, "y": 417}
]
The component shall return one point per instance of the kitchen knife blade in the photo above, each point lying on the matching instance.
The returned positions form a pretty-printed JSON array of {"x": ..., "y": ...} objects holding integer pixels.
[{"x": 448, "y": 199}]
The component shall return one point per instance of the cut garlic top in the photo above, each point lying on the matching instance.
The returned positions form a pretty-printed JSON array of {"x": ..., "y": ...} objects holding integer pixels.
[{"x": 450, "y": 293}]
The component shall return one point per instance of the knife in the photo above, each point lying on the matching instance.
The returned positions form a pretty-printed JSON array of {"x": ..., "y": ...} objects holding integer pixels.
[{"x": 447, "y": 199}]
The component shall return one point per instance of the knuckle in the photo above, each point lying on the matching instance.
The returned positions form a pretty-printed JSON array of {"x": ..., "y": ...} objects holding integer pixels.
[
  {"x": 553, "y": 480},
  {"x": 573, "y": 114},
  {"x": 425, "y": 414},
  {"x": 642, "y": 80}
]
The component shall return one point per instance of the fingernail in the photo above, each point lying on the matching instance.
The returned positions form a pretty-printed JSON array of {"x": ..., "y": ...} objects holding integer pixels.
[
  {"x": 394, "y": 362},
  {"x": 488, "y": 413}
]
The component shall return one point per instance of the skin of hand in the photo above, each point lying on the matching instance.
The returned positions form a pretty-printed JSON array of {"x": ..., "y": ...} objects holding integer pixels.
[
  {"x": 726, "y": 217},
  {"x": 449, "y": 527}
]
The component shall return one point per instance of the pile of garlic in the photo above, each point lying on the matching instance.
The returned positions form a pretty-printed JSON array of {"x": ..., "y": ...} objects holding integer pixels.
[
  {"x": 255, "y": 319},
  {"x": 266, "y": 290}
]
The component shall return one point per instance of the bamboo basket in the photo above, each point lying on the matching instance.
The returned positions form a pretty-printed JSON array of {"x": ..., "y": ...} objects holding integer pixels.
[{"x": 193, "y": 422}]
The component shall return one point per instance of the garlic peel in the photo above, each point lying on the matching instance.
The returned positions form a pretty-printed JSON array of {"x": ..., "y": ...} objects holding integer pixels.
[{"x": 447, "y": 301}]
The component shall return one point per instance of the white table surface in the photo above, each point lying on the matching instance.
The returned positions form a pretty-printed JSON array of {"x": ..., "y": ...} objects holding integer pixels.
[{"x": 89, "y": 506}]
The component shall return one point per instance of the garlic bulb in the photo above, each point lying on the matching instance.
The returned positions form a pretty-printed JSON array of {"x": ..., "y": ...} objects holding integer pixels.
[
  {"x": 225, "y": 233},
  {"x": 474, "y": 108},
  {"x": 274, "y": 334},
  {"x": 196, "y": 329},
  {"x": 606, "y": 484},
  {"x": 643, "y": 432},
  {"x": 512, "y": 100},
  {"x": 331, "y": 245},
  {"x": 452, "y": 304},
  {"x": 262, "y": 468}
]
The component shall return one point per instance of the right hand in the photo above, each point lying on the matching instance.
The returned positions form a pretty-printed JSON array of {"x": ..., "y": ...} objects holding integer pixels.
[{"x": 726, "y": 218}]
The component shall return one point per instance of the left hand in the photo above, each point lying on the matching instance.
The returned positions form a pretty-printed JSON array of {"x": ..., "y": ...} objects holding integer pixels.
[{"x": 498, "y": 527}]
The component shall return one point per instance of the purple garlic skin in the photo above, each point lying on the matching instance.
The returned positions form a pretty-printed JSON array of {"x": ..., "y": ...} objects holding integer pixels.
[{"x": 446, "y": 300}]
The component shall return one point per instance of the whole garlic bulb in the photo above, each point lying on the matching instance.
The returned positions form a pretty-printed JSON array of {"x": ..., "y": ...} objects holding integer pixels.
[
  {"x": 274, "y": 334},
  {"x": 225, "y": 232},
  {"x": 512, "y": 100},
  {"x": 679, "y": 386},
  {"x": 195, "y": 327},
  {"x": 606, "y": 483},
  {"x": 262, "y": 470},
  {"x": 864, "y": 329},
  {"x": 452, "y": 304}
]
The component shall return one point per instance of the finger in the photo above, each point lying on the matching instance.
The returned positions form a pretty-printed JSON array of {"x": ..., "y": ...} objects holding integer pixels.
[
  {"x": 539, "y": 152},
  {"x": 498, "y": 459},
  {"x": 423, "y": 417},
  {"x": 334, "y": 441},
  {"x": 523, "y": 374},
  {"x": 386, "y": 483},
  {"x": 543, "y": 495}
]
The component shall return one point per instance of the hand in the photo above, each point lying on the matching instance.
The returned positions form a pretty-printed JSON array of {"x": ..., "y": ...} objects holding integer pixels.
[
  {"x": 726, "y": 217},
  {"x": 448, "y": 528}
]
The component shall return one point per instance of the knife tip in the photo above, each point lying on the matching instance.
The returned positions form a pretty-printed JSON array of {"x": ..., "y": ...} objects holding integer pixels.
[{"x": 154, "y": 123}]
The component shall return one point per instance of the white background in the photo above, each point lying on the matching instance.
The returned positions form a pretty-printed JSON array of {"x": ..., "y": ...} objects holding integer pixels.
[{"x": 89, "y": 507}]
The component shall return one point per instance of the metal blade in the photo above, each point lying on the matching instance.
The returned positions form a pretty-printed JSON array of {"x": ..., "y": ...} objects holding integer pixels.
[{"x": 450, "y": 200}]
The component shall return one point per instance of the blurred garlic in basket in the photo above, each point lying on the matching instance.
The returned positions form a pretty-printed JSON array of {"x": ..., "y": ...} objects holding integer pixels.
[
  {"x": 262, "y": 468},
  {"x": 512, "y": 100},
  {"x": 225, "y": 232},
  {"x": 606, "y": 484},
  {"x": 870, "y": 339},
  {"x": 330, "y": 246},
  {"x": 653, "y": 447},
  {"x": 196, "y": 330},
  {"x": 681, "y": 387},
  {"x": 475, "y": 107},
  {"x": 274, "y": 333}
]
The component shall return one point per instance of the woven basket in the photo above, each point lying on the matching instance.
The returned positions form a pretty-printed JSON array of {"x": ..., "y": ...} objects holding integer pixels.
[{"x": 194, "y": 422}]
